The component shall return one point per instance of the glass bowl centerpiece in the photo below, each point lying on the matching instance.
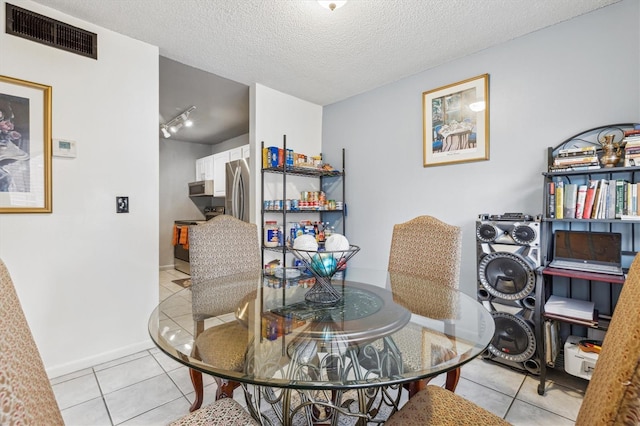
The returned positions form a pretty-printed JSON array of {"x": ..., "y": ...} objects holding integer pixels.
[{"x": 323, "y": 265}]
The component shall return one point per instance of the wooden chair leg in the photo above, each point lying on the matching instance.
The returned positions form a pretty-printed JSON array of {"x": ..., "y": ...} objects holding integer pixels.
[
  {"x": 453, "y": 377},
  {"x": 416, "y": 386},
  {"x": 196, "y": 380},
  {"x": 225, "y": 388}
]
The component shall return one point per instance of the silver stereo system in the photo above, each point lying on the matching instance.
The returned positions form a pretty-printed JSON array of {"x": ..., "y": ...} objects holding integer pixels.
[{"x": 508, "y": 254}]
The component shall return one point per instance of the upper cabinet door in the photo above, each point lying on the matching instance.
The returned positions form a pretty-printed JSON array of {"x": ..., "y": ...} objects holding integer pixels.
[
  {"x": 240, "y": 152},
  {"x": 235, "y": 154},
  {"x": 204, "y": 168},
  {"x": 220, "y": 161},
  {"x": 199, "y": 169},
  {"x": 246, "y": 151}
]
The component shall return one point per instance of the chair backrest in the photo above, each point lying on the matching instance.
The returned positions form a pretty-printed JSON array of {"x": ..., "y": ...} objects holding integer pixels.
[
  {"x": 613, "y": 394},
  {"x": 427, "y": 247},
  {"x": 221, "y": 247},
  {"x": 26, "y": 396}
]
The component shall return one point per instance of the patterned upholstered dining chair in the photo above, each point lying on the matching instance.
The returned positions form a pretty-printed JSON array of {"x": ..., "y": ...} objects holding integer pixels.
[
  {"x": 428, "y": 248},
  {"x": 221, "y": 247},
  {"x": 612, "y": 396},
  {"x": 26, "y": 395}
]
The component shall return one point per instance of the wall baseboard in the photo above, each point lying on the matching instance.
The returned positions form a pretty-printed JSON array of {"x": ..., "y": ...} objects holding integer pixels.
[{"x": 61, "y": 370}]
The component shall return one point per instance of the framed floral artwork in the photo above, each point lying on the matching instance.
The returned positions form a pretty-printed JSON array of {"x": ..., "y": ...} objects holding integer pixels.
[
  {"x": 456, "y": 122},
  {"x": 25, "y": 146}
]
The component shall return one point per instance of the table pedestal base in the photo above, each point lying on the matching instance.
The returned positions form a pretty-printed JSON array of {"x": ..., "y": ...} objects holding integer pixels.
[
  {"x": 358, "y": 406},
  {"x": 354, "y": 407}
]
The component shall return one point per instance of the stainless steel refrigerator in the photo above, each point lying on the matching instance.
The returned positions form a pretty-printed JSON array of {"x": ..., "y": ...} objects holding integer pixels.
[{"x": 238, "y": 183}]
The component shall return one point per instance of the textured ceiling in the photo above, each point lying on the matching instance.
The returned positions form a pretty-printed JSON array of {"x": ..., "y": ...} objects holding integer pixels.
[{"x": 300, "y": 48}]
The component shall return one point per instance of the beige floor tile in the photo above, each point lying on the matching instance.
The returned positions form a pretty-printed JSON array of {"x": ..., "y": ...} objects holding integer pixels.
[
  {"x": 525, "y": 414},
  {"x": 489, "y": 399},
  {"x": 557, "y": 399},
  {"x": 493, "y": 375},
  {"x": 92, "y": 412}
]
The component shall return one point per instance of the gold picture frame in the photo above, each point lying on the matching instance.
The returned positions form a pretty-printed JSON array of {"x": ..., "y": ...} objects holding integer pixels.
[
  {"x": 456, "y": 122},
  {"x": 25, "y": 146}
]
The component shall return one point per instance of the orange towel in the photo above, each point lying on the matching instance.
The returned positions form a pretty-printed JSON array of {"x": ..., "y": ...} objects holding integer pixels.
[
  {"x": 174, "y": 240},
  {"x": 184, "y": 237}
]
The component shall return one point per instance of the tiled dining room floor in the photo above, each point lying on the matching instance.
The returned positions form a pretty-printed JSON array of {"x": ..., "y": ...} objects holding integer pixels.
[{"x": 149, "y": 388}]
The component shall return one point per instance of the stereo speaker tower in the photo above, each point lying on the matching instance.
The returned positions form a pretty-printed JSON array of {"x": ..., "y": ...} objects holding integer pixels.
[{"x": 508, "y": 254}]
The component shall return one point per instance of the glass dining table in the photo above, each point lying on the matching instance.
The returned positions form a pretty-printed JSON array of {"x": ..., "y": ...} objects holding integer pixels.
[{"x": 307, "y": 363}]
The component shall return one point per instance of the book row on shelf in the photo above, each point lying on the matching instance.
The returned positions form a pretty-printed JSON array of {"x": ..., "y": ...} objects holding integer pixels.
[
  {"x": 597, "y": 199},
  {"x": 586, "y": 157},
  {"x": 632, "y": 150},
  {"x": 580, "y": 158}
]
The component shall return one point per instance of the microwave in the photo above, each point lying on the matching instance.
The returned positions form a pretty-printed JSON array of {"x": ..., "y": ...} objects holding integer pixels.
[{"x": 201, "y": 188}]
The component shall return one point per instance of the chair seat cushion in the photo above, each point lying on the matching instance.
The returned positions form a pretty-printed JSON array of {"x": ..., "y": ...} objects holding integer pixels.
[
  {"x": 224, "y": 346},
  {"x": 437, "y": 406},
  {"x": 224, "y": 412},
  {"x": 420, "y": 349}
]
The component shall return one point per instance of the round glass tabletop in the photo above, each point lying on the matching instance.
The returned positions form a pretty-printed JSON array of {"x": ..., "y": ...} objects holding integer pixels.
[{"x": 386, "y": 329}]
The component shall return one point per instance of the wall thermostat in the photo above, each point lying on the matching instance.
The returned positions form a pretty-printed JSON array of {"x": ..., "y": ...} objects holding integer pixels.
[{"x": 64, "y": 148}]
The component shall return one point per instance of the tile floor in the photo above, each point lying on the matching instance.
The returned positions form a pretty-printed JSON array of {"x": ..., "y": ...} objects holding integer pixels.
[{"x": 148, "y": 388}]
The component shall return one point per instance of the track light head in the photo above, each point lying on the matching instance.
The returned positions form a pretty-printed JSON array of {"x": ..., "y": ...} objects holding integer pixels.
[
  {"x": 165, "y": 132},
  {"x": 176, "y": 123}
]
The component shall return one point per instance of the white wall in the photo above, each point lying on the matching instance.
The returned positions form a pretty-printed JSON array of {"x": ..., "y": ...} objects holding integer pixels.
[
  {"x": 86, "y": 276},
  {"x": 236, "y": 142},
  {"x": 544, "y": 88},
  {"x": 274, "y": 114}
]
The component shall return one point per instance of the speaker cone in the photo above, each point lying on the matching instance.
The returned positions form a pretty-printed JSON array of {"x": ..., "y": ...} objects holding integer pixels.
[
  {"x": 513, "y": 339},
  {"x": 506, "y": 275},
  {"x": 522, "y": 234},
  {"x": 486, "y": 233}
]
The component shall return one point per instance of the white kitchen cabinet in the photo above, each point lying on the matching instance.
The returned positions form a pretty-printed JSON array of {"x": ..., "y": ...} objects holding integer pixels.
[
  {"x": 219, "y": 173},
  {"x": 213, "y": 167},
  {"x": 235, "y": 154},
  {"x": 204, "y": 168},
  {"x": 239, "y": 152},
  {"x": 199, "y": 169}
]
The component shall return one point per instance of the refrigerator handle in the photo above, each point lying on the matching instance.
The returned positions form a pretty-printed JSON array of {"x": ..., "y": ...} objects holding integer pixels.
[
  {"x": 240, "y": 189},
  {"x": 236, "y": 194}
]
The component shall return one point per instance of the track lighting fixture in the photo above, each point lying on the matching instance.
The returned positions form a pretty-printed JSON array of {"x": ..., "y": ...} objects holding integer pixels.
[
  {"x": 176, "y": 123},
  {"x": 164, "y": 131}
]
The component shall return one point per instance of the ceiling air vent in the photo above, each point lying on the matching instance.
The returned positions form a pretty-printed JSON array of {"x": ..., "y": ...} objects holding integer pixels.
[{"x": 42, "y": 29}]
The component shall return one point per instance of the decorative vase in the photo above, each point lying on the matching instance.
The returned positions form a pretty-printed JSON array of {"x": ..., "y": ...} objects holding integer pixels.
[
  {"x": 611, "y": 151},
  {"x": 323, "y": 265}
]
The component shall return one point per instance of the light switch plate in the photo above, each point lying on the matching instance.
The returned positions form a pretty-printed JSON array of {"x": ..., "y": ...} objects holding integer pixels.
[{"x": 122, "y": 204}]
